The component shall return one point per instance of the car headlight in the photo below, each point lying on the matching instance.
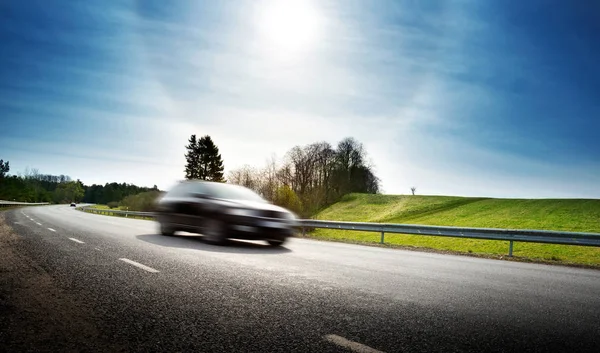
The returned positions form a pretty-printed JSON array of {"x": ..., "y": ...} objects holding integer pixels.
[
  {"x": 290, "y": 216},
  {"x": 241, "y": 212}
]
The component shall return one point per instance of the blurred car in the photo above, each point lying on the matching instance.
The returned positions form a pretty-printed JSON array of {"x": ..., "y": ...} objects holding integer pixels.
[
  {"x": 221, "y": 211},
  {"x": 73, "y": 204}
]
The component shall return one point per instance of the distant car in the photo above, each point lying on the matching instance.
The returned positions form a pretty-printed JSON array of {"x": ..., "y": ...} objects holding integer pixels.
[
  {"x": 220, "y": 211},
  {"x": 73, "y": 204}
]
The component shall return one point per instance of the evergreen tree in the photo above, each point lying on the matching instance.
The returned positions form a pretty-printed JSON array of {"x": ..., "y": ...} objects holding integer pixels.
[
  {"x": 4, "y": 168},
  {"x": 213, "y": 161},
  {"x": 203, "y": 160},
  {"x": 192, "y": 159}
]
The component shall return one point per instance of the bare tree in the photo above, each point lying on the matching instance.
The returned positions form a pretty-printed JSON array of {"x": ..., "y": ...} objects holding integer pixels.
[
  {"x": 268, "y": 179},
  {"x": 285, "y": 175},
  {"x": 244, "y": 176},
  {"x": 324, "y": 164},
  {"x": 413, "y": 189},
  {"x": 300, "y": 162}
]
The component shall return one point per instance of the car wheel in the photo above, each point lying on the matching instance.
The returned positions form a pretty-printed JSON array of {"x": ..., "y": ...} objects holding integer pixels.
[
  {"x": 166, "y": 229},
  {"x": 275, "y": 243},
  {"x": 214, "y": 232}
]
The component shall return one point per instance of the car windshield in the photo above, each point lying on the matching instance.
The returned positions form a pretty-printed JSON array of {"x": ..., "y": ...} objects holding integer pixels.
[{"x": 233, "y": 192}]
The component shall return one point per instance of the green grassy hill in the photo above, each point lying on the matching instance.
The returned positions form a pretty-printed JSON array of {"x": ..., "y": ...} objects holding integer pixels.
[{"x": 580, "y": 215}]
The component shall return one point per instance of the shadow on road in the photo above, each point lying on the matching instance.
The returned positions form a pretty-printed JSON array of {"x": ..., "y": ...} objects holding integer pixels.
[{"x": 196, "y": 242}]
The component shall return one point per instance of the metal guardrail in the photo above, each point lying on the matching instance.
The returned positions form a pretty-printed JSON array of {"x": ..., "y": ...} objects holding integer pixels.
[
  {"x": 14, "y": 203},
  {"x": 511, "y": 235},
  {"x": 116, "y": 212}
]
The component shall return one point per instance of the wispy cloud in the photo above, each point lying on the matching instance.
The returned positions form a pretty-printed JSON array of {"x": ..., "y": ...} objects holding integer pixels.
[{"x": 456, "y": 97}]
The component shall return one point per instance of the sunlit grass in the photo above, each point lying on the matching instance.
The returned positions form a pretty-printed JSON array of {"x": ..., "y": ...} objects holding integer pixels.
[
  {"x": 548, "y": 214},
  {"x": 100, "y": 207},
  {"x": 105, "y": 207}
]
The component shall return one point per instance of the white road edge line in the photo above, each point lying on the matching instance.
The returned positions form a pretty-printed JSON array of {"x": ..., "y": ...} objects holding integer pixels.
[
  {"x": 52, "y": 230},
  {"x": 77, "y": 240},
  {"x": 351, "y": 345},
  {"x": 137, "y": 264}
]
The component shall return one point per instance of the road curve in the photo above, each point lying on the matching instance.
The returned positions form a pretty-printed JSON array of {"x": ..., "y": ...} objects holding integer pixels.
[{"x": 99, "y": 283}]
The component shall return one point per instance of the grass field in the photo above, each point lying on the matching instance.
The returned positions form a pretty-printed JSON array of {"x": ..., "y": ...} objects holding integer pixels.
[
  {"x": 578, "y": 215},
  {"x": 105, "y": 207}
]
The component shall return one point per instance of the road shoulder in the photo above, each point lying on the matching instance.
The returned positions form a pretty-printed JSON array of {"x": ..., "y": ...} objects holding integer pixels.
[{"x": 34, "y": 311}]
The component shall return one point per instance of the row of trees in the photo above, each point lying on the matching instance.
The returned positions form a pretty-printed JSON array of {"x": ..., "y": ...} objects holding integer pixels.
[
  {"x": 307, "y": 179},
  {"x": 311, "y": 177},
  {"x": 32, "y": 186},
  {"x": 112, "y": 192},
  {"x": 23, "y": 189}
]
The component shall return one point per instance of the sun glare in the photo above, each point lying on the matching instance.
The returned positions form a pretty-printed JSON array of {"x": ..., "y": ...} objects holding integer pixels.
[{"x": 289, "y": 26}]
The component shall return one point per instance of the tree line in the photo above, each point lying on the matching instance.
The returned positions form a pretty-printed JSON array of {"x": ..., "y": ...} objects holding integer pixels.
[
  {"x": 306, "y": 180},
  {"x": 32, "y": 186},
  {"x": 112, "y": 192},
  {"x": 311, "y": 177}
]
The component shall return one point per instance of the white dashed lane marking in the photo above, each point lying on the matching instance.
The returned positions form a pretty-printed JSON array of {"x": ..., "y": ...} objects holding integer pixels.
[
  {"x": 350, "y": 345},
  {"x": 77, "y": 240},
  {"x": 139, "y": 265},
  {"x": 52, "y": 230}
]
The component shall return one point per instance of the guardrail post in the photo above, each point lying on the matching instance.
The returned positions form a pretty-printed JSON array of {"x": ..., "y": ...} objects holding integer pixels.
[
  {"x": 303, "y": 232},
  {"x": 510, "y": 248},
  {"x": 382, "y": 237}
]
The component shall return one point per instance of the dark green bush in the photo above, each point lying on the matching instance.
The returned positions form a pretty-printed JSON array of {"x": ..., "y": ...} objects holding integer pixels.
[{"x": 144, "y": 201}]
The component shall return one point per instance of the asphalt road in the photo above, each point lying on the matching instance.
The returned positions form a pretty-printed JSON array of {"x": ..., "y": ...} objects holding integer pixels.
[{"x": 72, "y": 281}]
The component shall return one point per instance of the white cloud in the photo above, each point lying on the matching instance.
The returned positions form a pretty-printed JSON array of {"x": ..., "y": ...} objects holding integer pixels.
[
  {"x": 254, "y": 106},
  {"x": 388, "y": 85}
]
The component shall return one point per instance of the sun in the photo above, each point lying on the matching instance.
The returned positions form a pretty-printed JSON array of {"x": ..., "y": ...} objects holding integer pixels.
[{"x": 289, "y": 26}]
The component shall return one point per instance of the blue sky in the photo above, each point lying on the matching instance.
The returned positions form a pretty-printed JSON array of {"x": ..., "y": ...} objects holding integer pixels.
[{"x": 474, "y": 98}]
